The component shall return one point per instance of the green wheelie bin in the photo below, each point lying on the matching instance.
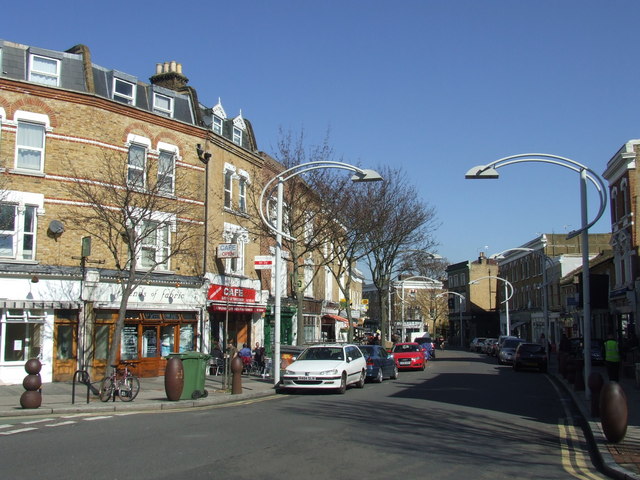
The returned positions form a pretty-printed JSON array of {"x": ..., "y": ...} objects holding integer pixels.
[{"x": 194, "y": 365}]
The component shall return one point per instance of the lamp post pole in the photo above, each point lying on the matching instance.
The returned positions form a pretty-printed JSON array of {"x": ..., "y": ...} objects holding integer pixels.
[
  {"x": 360, "y": 175},
  {"x": 586, "y": 174}
]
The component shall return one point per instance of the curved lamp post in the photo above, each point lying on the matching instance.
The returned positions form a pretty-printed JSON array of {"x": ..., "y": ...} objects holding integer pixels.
[
  {"x": 360, "y": 175},
  {"x": 508, "y": 293},
  {"x": 545, "y": 284},
  {"x": 402, "y": 282},
  {"x": 462, "y": 299},
  {"x": 491, "y": 171}
]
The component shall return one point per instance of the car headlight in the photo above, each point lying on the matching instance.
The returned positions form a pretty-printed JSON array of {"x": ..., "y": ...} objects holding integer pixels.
[
  {"x": 333, "y": 371},
  {"x": 289, "y": 372}
]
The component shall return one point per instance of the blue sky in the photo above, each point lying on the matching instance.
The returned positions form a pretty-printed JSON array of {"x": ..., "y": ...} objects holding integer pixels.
[{"x": 435, "y": 87}]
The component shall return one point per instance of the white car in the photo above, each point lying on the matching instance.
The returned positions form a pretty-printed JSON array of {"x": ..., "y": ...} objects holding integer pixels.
[{"x": 327, "y": 366}]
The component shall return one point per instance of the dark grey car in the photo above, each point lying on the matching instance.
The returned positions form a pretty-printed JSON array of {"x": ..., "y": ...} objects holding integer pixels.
[{"x": 380, "y": 363}]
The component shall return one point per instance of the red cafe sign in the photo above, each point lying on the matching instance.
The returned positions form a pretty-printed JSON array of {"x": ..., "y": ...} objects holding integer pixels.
[{"x": 222, "y": 293}]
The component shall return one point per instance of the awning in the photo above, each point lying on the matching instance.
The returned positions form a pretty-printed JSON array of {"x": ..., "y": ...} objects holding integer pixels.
[
  {"x": 36, "y": 304},
  {"x": 336, "y": 318},
  {"x": 236, "y": 307}
]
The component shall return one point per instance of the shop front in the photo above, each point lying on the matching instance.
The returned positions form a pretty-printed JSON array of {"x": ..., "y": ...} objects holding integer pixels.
[
  {"x": 234, "y": 313},
  {"x": 148, "y": 337}
]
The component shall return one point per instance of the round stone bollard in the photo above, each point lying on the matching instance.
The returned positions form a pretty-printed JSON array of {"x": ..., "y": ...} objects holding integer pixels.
[
  {"x": 613, "y": 412},
  {"x": 236, "y": 369},
  {"x": 32, "y": 398},
  {"x": 596, "y": 382},
  {"x": 174, "y": 379}
]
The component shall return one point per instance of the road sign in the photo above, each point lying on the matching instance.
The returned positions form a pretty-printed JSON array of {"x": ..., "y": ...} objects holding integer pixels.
[{"x": 263, "y": 262}]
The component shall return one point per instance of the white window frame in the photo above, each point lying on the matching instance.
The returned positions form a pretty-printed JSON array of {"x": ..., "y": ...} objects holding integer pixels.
[
  {"x": 229, "y": 174},
  {"x": 217, "y": 125},
  {"x": 121, "y": 97},
  {"x": 40, "y": 150},
  {"x": 26, "y": 318},
  {"x": 240, "y": 236},
  {"x": 23, "y": 201},
  {"x": 158, "y": 242},
  {"x": 135, "y": 171},
  {"x": 242, "y": 194},
  {"x": 171, "y": 150},
  {"x": 161, "y": 109},
  {"x": 237, "y": 136},
  {"x": 37, "y": 76}
]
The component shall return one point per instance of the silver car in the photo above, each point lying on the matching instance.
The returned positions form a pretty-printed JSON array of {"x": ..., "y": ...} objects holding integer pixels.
[{"x": 508, "y": 350}]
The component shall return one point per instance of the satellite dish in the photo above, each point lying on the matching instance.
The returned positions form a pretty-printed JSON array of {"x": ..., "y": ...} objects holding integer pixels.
[{"x": 56, "y": 228}]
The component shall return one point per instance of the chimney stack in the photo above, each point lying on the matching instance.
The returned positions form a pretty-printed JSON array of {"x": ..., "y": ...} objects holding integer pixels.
[{"x": 169, "y": 75}]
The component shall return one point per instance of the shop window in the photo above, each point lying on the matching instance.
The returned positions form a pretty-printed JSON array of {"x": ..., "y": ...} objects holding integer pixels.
[
  {"x": 150, "y": 342},
  {"x": 17, "y": 231},
  {"x": 22, "y": 335},
  {"x": 64, "y": 342},
  {"x": 101, "y": 342},
  {"x": 168, "y": 339},
  {"x": 187, "y": 338},
  {"x": 129, "y": 342}
]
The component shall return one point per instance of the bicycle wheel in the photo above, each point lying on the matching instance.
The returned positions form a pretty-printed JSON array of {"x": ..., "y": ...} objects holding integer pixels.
[
  {"x": 107, "y": 388},
  {"x": 133, "y": 386}
]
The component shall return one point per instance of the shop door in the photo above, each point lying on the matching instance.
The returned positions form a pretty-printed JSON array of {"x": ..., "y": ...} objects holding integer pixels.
[{"x": 65, "y": 344}]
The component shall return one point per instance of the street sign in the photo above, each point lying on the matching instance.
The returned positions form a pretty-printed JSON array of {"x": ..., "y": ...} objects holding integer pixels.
[{"x": 263, "y": 262}]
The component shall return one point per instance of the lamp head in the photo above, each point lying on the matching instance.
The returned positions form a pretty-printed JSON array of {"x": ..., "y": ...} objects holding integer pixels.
[
  {"x": 482, "y": 171},
  {"x": 366, "y": 175}
]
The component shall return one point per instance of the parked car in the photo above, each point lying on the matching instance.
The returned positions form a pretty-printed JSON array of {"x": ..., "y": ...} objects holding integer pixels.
[
  {"x": 476, "y": 344},
  {"x": 380, "y": 363},
  {"x": 425, "y": 340},
  {"x": 327, "y": 366},
  {"x": 508, "y": 350},
  {"x": 530, "y": 355},
  {"x": 488, "y": 344},
  {"x": 597, "y": 351},
  {"x": 409, "y": 355}
]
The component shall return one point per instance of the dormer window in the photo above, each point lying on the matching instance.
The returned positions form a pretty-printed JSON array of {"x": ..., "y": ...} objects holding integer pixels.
[
  {"x": 44, "y": 70},
  {"x": 237, "y": 136},
  {"x": 217, "y": 125},
  {"x": 163, "y": 105},
  {"x": 124, "y": 92}
]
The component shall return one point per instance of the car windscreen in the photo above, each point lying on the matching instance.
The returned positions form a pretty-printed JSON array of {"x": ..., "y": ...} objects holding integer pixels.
[
  {"x": 532, "y": 348},
  {"x": 511, "y": 343},
  {"x": 322, "y": 353},
  {"x": 407, "y": 347}
]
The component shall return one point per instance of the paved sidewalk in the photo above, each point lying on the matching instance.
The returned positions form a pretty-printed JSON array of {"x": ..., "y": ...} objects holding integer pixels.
[
  {"x": 621, "y": 460},
  {"x": 57, "y": 397}
]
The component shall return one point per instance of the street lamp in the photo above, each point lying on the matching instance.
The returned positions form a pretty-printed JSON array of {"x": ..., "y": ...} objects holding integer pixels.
[
  {"x": 545, "y": 284},
  {"x": 507, "y": 295},
  {"x": 462, "y": 299},
  {"x": 402, "y": 282},
  {"x": 360, "y": 175},
  {"x": 491, "y": 171}
]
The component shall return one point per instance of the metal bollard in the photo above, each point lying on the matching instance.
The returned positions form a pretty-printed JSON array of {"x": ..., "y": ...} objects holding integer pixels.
[
  {"x": 236, "y": 368},
  {"x": 32, "y": 398}
]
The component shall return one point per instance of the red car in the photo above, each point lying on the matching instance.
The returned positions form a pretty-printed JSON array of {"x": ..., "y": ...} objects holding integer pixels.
[{"x": 409, "y": 355}]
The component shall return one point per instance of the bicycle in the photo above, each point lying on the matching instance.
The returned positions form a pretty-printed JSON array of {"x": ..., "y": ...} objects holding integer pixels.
[{"x": 121, "y": 382}]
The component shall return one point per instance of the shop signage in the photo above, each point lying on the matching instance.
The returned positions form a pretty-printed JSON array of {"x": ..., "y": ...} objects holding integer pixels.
[
  {"x": 263, "y": 262},
  {"x": 223, "y": 293},
  {"x": 228, "y": 250}
]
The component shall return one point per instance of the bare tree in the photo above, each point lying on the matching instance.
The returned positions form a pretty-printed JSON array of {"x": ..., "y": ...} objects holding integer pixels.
[
  {"x": 136, "y": 219},
  {"x": 401, "y": 221},
  {"x": 304, "y": 216}
]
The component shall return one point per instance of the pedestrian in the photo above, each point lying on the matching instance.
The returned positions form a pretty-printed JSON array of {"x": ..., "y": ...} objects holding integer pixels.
[
  {"x": 232, "y": 351},
  {"x": 612, "y": 358},
  {"x": 258, "y": 356}
]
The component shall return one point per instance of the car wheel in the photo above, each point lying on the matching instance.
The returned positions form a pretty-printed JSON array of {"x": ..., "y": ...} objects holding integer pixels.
[
  {"x": 360, "y": 383},
  {"x": 394, "y": 375},
  {"x": 379, "y": 377},
  {"x": 343, "y": 384},
  {"x": 515, "y": 366},
  {"x": 424, "y": 365}
]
